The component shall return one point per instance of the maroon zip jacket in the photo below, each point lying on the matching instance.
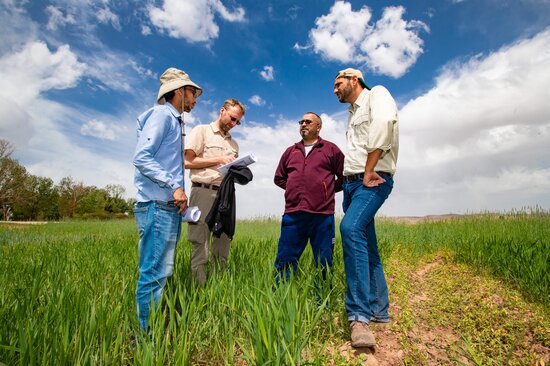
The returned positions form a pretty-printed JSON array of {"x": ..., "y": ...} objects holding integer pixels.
[{"x": 310, "y": 182}]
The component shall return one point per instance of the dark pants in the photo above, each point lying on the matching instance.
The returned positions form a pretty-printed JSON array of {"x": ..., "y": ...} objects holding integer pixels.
[{"x": 296, "y": 229}]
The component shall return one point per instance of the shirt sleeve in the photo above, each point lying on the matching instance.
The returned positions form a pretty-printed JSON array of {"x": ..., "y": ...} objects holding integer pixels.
[
  {"x": 281, "y": 174},
  {"x": 150, "y": 139},
  {"x": 383, "y": 114},
  {"x": 195, "y": 140}
]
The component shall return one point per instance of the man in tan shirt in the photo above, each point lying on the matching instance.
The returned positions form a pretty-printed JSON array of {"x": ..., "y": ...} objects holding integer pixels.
[
  {"x": 372, "y": 145},
  {"x": 207, "y": 148}
]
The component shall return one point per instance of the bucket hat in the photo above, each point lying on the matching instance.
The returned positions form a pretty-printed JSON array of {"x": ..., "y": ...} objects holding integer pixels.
[{"x": 173, "y": 79}]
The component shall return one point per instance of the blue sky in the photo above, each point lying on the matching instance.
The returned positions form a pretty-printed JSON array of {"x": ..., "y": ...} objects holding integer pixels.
[{"x": 470, "y": 78}]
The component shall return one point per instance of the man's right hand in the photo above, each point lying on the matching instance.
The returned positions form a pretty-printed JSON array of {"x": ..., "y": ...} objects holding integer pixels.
[
  {"x": 180, "y": 200},
  {"x": 226, "y": 159}
]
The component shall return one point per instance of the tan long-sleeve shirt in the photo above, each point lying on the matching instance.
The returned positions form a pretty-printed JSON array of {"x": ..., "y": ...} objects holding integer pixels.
[{"x": 372, "y": 124}]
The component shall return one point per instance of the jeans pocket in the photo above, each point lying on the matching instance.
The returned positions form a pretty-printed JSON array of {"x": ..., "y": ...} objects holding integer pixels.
[
  {"x": 140, "y": 213},
  {"x": 168, "y": 207},
  {"x": 384, "y": 189}
]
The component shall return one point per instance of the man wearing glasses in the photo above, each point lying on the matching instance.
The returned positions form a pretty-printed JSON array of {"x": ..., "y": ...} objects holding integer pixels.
[
  {"x": 310, "y": 172},
  {"x": 206, "y": 148},
  {"x": 373, "y": 143},
  {"x": 158, "y": 177}
]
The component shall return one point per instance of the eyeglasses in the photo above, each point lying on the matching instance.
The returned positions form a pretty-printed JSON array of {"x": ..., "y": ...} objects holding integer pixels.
[
  {"x": 193, "y": 90},
  {"x": 306, "y": 121},
  {"x": 233, "y": 119}
]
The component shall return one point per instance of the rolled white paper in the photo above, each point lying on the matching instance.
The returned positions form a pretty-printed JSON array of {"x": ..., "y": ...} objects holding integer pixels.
[{"x": 192, "y": 214}]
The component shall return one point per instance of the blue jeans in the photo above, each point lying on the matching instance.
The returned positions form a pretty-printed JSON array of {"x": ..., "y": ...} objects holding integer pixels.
[
  {"x": 296, "y": 229},
  {"x": 367, "y": 292},
  {"x": 159, "y": 226}
]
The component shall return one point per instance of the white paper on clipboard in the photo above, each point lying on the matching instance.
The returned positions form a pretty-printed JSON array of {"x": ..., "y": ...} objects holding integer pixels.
[{"x": 244, "y": 160}]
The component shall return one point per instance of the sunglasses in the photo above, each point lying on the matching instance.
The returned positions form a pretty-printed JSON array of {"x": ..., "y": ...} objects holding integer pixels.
[
  {"x": 233, "y": 119},
  {"x": 306, "y": 121},
  {"x": 193, "y": 90}
]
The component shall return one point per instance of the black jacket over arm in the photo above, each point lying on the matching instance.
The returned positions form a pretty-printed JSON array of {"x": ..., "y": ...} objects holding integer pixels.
[{"x": 221, "y": 218}]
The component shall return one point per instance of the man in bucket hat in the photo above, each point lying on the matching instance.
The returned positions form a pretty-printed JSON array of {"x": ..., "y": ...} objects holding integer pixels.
[
  {"x": 372, "y": 146},
  {"x": 158, "y": 177}
]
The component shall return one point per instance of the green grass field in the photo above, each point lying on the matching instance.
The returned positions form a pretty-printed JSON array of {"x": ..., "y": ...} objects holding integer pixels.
[{"x": 472, "y": 290}]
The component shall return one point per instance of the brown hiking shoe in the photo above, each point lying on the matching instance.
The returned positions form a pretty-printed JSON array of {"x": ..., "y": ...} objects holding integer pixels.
[{"x": 361, "y": 335}]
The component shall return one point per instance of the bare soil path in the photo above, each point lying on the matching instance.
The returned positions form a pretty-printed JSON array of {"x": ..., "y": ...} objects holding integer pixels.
[{"x": 421, "y": 334}]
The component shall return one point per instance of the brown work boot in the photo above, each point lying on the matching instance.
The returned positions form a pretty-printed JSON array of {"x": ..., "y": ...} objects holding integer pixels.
[{"x": 361, "y": 335}]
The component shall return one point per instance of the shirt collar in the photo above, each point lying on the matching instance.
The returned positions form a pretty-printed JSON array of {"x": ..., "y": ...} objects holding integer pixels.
[
  {"x": 301, "y": 142},
  {"x": 359, "y": 101},
  {"x": 216, "y": 129},
  {"x": 174, "y": 111}
]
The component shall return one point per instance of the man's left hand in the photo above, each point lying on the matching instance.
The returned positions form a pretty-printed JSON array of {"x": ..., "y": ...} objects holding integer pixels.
[
  {"x": 372, "y": 179},
  {"x": 180, "y": 200}
]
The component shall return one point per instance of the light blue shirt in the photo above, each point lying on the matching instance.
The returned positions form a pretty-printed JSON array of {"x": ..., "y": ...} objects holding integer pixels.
[{"x": 158, "y": 157}]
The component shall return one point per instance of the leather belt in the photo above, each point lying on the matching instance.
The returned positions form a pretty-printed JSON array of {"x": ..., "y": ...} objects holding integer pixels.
[
  {"x": 207, "y": 186},
  {"x": 351, "y": 178}
]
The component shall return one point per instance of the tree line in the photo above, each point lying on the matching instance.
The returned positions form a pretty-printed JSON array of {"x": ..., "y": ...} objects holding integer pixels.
[{"x": 24, "y": 196}]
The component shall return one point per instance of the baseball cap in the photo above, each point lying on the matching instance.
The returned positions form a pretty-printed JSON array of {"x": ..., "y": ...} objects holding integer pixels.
[{"x": 349, "y": 72}]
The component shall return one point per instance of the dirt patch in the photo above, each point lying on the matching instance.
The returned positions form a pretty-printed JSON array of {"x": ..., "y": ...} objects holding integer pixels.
[
  {"x": 383, "y": 354},
  {"x": 412, "y": 220},
  {"x": 388, "y": 351},
  {"x": 23, "y": 223},
  {"x": 433, "y": 342}
]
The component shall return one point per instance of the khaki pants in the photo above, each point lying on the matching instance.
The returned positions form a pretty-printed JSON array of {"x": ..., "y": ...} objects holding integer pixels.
[{"x": 199, "y": 236}]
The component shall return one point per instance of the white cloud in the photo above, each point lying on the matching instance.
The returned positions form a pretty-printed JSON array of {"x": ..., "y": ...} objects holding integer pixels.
[
  {"x": 390, "y": 47},
  {"x": 145, "y": 30},
  {"x": 56, "y": 18},
  {"x": 39, "y": 69},
  {"x": 99, "y": 129},
  {"x": 293, "y": 12},
  {"x": 257, "y": 100},
  {"x": 106, "y": 16},
  {"x": 198, "y": 15},
  {"x": 300, "y": 48},
  {"x": 236, "y": 16},
  {"x": 338, "y": 34},
  {"x": 105, "y": 67},
  {"x": 55, "y": 149},
  {"x": 478, "y": 139},
  {"x": 267, "y": 73},
  {"x": 45, "y": 133},
  {"x": 190, "y": 120},
  {"x": 18, "y": 129},
  {"x": 89, "y": 14},
  {"x": 393, "y": 46},
  {"x": 34, "y": 69},
  {"x": 142, "y": 70},
  {"x": 17, "y": 28},
  {"x": 111, "y": 69}
]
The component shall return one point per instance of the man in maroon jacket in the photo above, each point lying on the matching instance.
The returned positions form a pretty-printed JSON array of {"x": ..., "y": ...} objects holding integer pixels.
[{"x": 310, "y": 172}]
